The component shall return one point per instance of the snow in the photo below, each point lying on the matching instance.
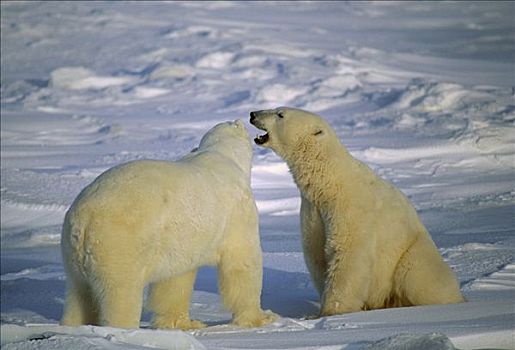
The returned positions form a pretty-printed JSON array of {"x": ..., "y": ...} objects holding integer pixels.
[
  {"x": 91, "y": 337},
  {"x": 420, "y": 91}
]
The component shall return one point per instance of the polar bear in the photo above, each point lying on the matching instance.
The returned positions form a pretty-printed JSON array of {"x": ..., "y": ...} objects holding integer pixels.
[
  {"x": 363, "y": 242},
  {"x": 156, "y": 222}
]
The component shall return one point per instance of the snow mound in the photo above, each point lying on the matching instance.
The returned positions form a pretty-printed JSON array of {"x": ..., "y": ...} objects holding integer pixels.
[
  {"x": 284, "y": 206},
  {"x": 92, "y": 337},
  {"x": 79, "y": 78},
  {"x": 338, "y": 85},
  {"x": 191, "y": 31},
  {"x": 216, "y": 60},
  {"x": 439, "y": 96},
  {"x": 178, "y": 71},
  {"x": 279, "y": 94},
  {"x": 432, "y": 341}
]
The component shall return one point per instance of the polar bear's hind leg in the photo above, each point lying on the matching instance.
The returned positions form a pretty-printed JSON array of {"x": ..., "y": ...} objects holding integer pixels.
[
  {"x": 423, "y": 278},
  {"x": 80, "y": 308},
  {"x": 121, "y": 302},
  {"x": 170, "y": 301}
]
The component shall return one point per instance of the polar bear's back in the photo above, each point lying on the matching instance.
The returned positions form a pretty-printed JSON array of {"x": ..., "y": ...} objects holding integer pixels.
[
  {"x": 145, "y": 208},
  {"x": 148, "y": 183},
  {"x": 129, "y": 179}
]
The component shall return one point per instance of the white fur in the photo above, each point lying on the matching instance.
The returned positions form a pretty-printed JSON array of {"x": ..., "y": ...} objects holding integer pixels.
[
  {"x": 157, "y": 222},
  {"x": 364, "y": 244}
]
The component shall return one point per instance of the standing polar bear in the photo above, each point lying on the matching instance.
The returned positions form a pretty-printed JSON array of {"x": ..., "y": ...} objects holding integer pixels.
[
  {"x": 157, "y": 222},
  {"x": 363, "y": 242}
]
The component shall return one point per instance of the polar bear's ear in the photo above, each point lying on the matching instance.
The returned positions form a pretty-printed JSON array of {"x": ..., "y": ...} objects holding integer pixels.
[
  {"x": 238, "y": 123},
  {"x": 318, "y": 132}
]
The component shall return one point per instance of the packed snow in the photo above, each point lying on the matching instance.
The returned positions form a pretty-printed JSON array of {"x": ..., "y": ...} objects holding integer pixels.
[{"x": 422, "y": 92}]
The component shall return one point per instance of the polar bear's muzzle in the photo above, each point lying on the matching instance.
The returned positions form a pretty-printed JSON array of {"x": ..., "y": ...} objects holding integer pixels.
[{"x": 260, "y": 139}]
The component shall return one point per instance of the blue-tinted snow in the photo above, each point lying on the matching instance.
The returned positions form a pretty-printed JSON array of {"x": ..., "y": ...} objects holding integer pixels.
[{"x": 422, "y": 92}]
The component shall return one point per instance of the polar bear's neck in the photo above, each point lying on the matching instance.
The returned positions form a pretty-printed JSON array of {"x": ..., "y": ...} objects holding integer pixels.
[
  {"x": 222, "y": 156},
  {"x": 314, "y": 168}
]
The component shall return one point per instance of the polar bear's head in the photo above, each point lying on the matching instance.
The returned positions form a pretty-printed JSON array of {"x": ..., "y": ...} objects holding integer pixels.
[
  {"x": 286, "y": 128},
  {"x": 230, "y": 139}
]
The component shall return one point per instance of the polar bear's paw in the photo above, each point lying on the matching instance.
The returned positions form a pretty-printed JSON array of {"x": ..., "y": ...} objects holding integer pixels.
[
  {"x": 255, "y": 319},
  {"x": 181, "y": 323}
]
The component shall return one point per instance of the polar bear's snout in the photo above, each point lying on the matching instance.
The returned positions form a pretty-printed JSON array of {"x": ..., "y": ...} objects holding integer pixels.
[{"x": 256, "y": 119}]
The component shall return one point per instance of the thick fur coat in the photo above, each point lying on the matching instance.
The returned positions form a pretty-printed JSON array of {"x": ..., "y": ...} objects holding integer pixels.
[
  {"x": 364, "y": 244},
  {"x": 157, "y": 222}
]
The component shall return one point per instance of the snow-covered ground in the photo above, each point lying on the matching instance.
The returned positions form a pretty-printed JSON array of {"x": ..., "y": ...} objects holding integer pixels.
[{"x": 422, "y": 92}]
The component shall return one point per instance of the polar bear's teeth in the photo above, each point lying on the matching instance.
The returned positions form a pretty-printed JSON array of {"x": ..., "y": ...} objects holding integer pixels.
[{"x": 261, "y": 139}]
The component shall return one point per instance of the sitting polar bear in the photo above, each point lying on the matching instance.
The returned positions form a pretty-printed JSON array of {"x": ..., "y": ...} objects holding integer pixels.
[
  {"x": 363, "y": 242},
  {"x": 157, "y": 222}
]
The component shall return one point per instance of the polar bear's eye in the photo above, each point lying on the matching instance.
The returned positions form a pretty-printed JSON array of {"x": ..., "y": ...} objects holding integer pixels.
[{"x": 280, "y": 114}]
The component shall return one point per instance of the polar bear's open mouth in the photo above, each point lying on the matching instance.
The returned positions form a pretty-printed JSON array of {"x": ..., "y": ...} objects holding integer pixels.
[
  {"x": 254, "y": 120},
  {"x": 261, "y": 139}
]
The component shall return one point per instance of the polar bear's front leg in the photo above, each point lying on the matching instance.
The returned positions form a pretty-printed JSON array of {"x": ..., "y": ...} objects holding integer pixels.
[
  {"x": 313, "y": 243},
  {"x": 348, "y": 271},
  {"x": 240, "y": 280},
  {"x": 240, "y": 273},
  {"x": 170, "y": 302}
]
